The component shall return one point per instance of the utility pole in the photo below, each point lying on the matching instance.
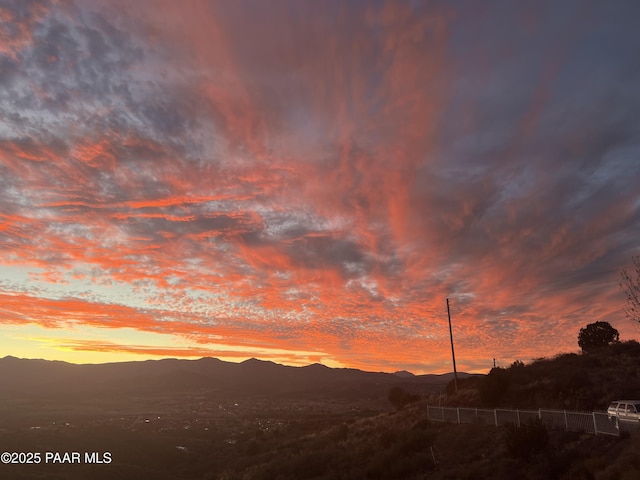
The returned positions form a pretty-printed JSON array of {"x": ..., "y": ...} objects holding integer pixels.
[{"x": 453, "y": 353}]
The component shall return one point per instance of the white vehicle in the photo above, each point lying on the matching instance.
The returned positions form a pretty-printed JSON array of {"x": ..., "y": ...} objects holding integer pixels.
[{"x": 627, "y": 411}]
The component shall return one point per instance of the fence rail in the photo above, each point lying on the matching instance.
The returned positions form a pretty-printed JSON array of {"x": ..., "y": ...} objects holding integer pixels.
[{"x": 596, "y": 423}]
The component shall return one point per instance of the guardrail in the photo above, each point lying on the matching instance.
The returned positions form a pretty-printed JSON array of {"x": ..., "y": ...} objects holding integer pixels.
[{"x": 596, "y": 423}]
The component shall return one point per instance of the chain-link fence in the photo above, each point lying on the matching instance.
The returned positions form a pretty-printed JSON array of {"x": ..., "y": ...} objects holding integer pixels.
[{"x": 597, "y": 423}]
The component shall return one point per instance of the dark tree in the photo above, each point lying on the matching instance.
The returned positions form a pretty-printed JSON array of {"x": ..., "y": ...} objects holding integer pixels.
[
  {"x": 596, "y": 335},
  {"x": 399, "y": 397},
  {"x": 494, "y": 387},
  {"x": 631, "y": 286}
]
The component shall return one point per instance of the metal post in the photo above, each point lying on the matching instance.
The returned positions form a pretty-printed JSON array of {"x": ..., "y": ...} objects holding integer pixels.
[
  {"x": 453, "y": 353},
  {"x": 595, "y": 425}
]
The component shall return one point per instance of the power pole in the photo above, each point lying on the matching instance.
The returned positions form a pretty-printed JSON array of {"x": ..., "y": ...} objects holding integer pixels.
[{"x": 453, "y": 353}]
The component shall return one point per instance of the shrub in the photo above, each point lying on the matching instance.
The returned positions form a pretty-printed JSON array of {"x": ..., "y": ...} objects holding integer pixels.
[
  {"x": 399, "y": 397},
  {"x": 516, "y": 365},
  {"x": 494, "y": 386},
  {"x": 529, "y": 439}
]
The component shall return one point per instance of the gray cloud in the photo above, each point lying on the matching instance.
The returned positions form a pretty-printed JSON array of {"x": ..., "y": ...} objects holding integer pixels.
[{"x": 321, "y": 159}]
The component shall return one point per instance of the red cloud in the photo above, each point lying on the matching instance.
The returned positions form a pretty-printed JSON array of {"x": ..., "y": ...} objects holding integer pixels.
[{"x": 290, "y": 179}]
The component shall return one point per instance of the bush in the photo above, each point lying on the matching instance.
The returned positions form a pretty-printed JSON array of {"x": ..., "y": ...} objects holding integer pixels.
[
  {"x": 494, "y": 386},
  {"x": 399, "y": 397},
  {"x": 527, "y": 440}
]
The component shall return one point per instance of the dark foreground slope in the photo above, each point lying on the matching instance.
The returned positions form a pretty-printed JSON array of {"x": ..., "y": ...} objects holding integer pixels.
[
  {"x": 393, "y": 445},
  {"x": 404, "y": 445}
]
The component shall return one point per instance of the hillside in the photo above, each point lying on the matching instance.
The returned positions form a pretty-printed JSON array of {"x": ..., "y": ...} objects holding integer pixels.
[
  {"x": 569, "y": 381},
  {"x": 249, "y": 379},
  {"x": 404, "y": 445}
]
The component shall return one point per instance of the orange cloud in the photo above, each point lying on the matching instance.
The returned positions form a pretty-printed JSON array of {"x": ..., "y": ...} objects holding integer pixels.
[{"x": 320, "y": 174}]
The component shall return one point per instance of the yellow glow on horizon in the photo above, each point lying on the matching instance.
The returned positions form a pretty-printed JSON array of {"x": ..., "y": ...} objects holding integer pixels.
[{"x": 122, "y": 345}]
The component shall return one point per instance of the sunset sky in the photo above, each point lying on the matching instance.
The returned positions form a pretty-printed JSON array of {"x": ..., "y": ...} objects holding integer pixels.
[{"x": 308, "y": 180}]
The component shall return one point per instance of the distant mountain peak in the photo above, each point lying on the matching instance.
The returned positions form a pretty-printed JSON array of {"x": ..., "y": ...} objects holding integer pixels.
[
  {"x": 317, "y": 366},
  {"x": 252, "y": 360},
  {"x": 404, "y": 374},
  {"x": 256, "y": 361},
  {"x": 210, "y": 360}
]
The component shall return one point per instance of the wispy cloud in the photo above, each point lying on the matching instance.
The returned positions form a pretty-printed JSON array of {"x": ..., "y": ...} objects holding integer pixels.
[{"x": 320, "y": 176}]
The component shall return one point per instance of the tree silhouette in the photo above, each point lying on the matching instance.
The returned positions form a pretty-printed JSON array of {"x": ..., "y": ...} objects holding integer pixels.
[
  {"x": 631, "y": 286},
  {"x": 596, "y": 335},
  {"x": 399, "y": 397}
]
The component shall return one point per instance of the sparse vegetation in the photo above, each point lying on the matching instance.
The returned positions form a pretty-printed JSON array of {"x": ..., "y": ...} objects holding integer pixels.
[
  {"x": 402, "y": 445},
  {"x": 400, "y": 398},
  {"x": 528, "y": 439},
  {"x": 567, "y": 381}
]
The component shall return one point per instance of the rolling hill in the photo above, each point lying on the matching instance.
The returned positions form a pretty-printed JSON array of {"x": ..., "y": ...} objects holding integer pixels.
[{"x": 251, "y": 378}]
